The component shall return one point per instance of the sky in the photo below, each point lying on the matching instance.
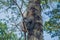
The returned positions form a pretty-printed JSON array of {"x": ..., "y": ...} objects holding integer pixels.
[
  {"x": 3, "y": 15},
  {"x": 46, "y": 35}
]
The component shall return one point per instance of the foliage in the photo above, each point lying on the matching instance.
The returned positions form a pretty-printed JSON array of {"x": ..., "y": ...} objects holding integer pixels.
[
  {"x": 13, "y": 10},
  {"x": 53, "y": 25},
  {"x": 4, "y": 34}
]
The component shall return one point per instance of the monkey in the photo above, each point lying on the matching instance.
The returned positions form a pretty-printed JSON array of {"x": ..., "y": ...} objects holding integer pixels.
[
  {"x": 26, "y": 22},
  {"x": 29, "y": 21},
  {"x": 28, "y": 18}
]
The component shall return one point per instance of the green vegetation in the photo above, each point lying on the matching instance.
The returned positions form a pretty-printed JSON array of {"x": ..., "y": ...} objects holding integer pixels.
[
  {"x": 4, "y": 34},
  {"x": 51, "y": 26}
]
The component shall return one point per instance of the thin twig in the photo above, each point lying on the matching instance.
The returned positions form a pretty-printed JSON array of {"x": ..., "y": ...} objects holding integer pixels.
[{"x": 23, "y": 18}]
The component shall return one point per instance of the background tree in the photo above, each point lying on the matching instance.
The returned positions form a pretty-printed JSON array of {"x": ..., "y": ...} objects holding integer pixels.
[
  {"x": 13, "y": 9},
  {"x": 4, "y": 34},
  {"x": 52, "y": 26}
]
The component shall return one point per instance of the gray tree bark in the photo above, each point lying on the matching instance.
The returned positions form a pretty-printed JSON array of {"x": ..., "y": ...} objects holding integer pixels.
[{"x": 33, "y": 21}]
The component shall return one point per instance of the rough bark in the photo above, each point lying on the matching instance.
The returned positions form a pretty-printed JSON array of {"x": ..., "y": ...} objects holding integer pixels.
[{"x": 33, "y": 20}]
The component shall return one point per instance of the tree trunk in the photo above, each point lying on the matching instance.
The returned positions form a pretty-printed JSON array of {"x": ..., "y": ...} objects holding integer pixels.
[{"x": 34, "y": 20}]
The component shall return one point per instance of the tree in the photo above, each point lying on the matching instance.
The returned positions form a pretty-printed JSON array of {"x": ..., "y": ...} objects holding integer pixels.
[
  {"x": 4, "y": 35},
  {"x": 33, "y": 20},
  {"x": 32, "y": 23},
  {"x": 53, "y": 25},
  {"x": 13, "y": 9}
]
